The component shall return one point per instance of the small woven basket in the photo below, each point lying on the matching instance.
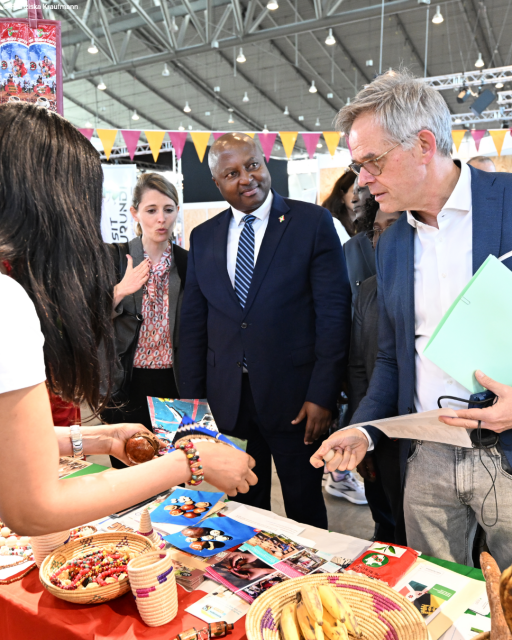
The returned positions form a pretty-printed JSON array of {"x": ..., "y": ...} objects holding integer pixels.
[
  {"x": 381, "y": 612},
  {"x": 137, "y": 544},
  {"x": 153, "y": 583},
  {"x": 43, "y": 546}
]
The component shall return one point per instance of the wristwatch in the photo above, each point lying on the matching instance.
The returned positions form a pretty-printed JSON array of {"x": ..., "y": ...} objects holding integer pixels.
[{"x": 76, "y": 441}]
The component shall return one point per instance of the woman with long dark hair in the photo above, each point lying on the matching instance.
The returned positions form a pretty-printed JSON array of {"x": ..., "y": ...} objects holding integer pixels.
[
  {"x": 152, "y": 288},
  {"x": 339, "y": 202},
  {"x": 60, "y": 293}
]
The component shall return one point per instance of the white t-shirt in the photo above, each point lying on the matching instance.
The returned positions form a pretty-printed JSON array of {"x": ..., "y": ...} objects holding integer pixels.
[
  {"x": 21, "y": 340},
  {"x": 342, "y": 232}
]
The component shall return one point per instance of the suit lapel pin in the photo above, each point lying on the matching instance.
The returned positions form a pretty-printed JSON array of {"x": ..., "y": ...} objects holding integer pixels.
[{"x": 281, "y": 219}]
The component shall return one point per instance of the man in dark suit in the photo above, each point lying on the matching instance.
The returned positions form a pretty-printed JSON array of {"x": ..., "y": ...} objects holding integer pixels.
[
  {"x": 265, "y": 325},
  {"x": 400, "y": 136}
]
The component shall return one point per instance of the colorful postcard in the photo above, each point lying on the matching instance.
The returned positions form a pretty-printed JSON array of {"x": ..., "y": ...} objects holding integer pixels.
[
  {"x": 214, "y": 535},
  {"x": 185, "y": 506}
]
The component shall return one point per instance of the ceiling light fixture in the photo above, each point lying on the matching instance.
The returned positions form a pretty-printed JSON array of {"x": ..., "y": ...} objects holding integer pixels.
[
  {"x": 190, "y": 127},
  {"x": 88, "y": 125},
  {"x": 330, "y": 40},
  {"x": 272, "y": 5},
  {"x": 102, "y": 86},
  {"x": 135, "y": 115},
  {"x": 479, "y": 63},
  {"x": 499, "y": 85},
  {"x": 166, "y": 71},
  {"x": 181, "y": 127},
  {"x": 286, "y": 112},
  {"x": 438, "y": 17},
  {"x": 317, "y": 123},
  {"x": 93, "y": 48},
  {"x": 265, "y": 130},
  {"x": 187, "y": 108},
  {"x": 231, "y": 120},
  {"x": 241, "y": 58},
  {"x": 319, "y": 145},
  {"x": 174, "y": 26},
  {"x": 312, "y": 88},
  {"x": 246, "y": 97},
  {"x": 330, "y": 96}
]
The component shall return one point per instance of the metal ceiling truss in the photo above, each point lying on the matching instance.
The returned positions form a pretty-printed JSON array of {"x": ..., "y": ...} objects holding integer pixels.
[
  {"x": 143, "y": 149},
  {"x": 470, "y": 78},
  {"x": 502, "y": 114},
  {"x": 504, "y": 97},
  {"x": 91, "y": 111}
]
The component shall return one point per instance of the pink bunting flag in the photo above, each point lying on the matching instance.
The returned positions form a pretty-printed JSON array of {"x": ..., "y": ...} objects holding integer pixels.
[
  {"x": 131, "y": 139},
  {"x": 478, "y": 134},
  {"x": 311, "y": 140},
  {"x": 87, "y": 133},
  {"x": 217, "y": 134},
  {"x": 267, "y": 143},
  {"x": 178, "y": 139}
]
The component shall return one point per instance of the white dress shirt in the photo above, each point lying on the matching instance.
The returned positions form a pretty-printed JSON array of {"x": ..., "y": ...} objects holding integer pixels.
[
  {"x": 443, "y": 265},
  {"x": 340, "y": 230},
  {"x": 236, "y": 225}
]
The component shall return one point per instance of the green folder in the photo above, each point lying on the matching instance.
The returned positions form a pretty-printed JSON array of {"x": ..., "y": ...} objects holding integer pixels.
[{"x": 476, "y": 332}]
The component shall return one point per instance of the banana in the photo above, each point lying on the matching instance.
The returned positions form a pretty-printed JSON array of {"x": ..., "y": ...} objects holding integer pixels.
[
  {"x": 311, "y": 599},
  {"x": 290, "y": 629},
  {"x": 339, "y": 609},
  {"x": 310, "y": 630},
  {"x": 334, "y": 629}
]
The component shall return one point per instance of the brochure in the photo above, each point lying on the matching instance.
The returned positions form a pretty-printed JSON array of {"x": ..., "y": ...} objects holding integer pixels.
[
  {"x": 185, "y": 506},
  {"x": 69, "y": 465},
  {"x": 220, "y": 605},
  {"x": 385, "y": 562},
  {"x": 213, "y": 535}
]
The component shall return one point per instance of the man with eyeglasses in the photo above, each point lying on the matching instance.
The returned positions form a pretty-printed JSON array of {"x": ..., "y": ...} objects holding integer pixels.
[{"x": 400, "y": 135}]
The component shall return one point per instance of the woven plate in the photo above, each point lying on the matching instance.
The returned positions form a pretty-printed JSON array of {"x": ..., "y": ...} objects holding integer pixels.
[
  {"x": 136, "y": 543},
  {"x": 382, "y": 613}
]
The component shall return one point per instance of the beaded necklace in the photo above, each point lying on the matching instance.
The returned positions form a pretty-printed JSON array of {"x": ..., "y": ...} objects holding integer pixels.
[{"x": 95, "y": 567}]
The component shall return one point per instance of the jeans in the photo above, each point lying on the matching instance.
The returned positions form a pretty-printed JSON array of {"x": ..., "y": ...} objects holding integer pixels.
[{"x": 445, "y": 497}]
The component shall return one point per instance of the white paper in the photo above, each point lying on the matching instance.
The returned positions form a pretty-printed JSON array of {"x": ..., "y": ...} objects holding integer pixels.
[
  {"x": 467, "y": 627},
  {"x": 224, "y": 606},
  {"x": 270, "y": 523},
  {"x": 422, "y": 426},
  {"x": 481, "y": 605}
]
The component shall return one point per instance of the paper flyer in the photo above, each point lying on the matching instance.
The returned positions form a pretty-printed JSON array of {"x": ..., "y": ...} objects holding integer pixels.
[
  {"x": 186, "y": 506},
  {"x": 213, "y": 535}
]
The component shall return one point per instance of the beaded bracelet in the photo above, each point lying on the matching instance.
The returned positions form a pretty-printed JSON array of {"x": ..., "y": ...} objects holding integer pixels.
[{"x": 194, "y": 462}]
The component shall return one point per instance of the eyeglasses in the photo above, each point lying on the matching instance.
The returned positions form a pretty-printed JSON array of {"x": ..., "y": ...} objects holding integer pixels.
[
  {"x": 370, "y": 165},
  {"x": 374, "y": 233}
]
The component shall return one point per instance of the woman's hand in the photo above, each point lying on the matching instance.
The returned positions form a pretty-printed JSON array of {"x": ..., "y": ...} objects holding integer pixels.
[
  {"x": 134, "y": 279},
  {"x": 119, "y": 435},
  {"x": 226, "y": 468},
  {"x": 497, "y": 418},
  {"x": 349, "y": 445}
]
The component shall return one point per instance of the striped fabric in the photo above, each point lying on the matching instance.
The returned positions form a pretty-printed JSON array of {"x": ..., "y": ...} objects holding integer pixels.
[{"x": 245, "y": 262}]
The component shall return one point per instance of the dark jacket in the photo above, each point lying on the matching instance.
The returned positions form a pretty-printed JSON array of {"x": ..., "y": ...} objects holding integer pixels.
[
  {"x": 294, "y": 329},
  {"x": 125, "y": 311},
  {"x": 392, "y": 387},
  {"x": 360, "y": 258},
  {"x": 363, "y": 344}
]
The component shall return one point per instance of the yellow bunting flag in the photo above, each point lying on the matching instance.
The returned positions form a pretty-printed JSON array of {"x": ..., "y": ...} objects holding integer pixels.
[
  {"x": 107, "y": 137},
  {"x": 249, "y": 133},
  {"x": 332, "y": 140},
  {"x": 288, "y": 139},
  {"x": 200, "y": 140},
  {"x": 155, "y": 139},
  {"x": 498, "y": 136},
  {"x": 457, "y": 137}
]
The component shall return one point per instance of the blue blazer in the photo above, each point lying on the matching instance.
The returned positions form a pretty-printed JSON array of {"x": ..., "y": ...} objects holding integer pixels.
[
  {"x": 391, "y": 390},
  {"x": 294, "y": 329}
]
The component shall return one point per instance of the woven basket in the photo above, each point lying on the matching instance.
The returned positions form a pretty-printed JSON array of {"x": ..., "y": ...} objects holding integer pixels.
[
  {"x": 153, "y": 583},
  {"x": 136, "y": 543},
  {"x": 381, "y": 612}
]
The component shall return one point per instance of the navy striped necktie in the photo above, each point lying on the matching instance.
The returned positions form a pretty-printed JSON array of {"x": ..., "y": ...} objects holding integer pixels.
[{"x": 245, "y": 260}]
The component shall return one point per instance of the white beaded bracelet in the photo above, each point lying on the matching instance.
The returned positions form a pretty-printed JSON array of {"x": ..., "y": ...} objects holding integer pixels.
[{"x": 76, "y": 441}]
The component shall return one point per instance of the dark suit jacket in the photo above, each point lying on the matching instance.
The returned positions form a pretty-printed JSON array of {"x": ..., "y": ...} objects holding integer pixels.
[
  {"x": 363, "y": 344},
  {"x": 360, "y": 258},
  {"x": 392, "y": 386},
  {"x": 294, "y": 329},
  {"x": 124, "y": 325}
]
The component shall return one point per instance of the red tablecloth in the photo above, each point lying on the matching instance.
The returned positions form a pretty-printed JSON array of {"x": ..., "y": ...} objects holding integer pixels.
[{"x": 29, "y": 612}]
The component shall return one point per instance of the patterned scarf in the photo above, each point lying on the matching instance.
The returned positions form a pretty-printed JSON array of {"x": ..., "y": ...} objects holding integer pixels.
[{"x": 158, "y": 276}]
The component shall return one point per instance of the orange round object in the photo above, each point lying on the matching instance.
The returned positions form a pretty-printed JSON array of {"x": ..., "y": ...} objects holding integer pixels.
[{"x": 142, "y": 447}]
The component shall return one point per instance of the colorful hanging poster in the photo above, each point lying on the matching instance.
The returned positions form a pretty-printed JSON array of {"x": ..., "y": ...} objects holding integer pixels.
[
  {"x": 457, "y": 137},
  {"x": 498, "y": 136},
  {"x": 288, "y": 139},
  {"x": 30, "y": 63},
  {"x": 267, "y": 143},
  {"x": 332, "y": 140},
  {"x": 119, "y": 180},
  {"x": 311, "y": 140}
]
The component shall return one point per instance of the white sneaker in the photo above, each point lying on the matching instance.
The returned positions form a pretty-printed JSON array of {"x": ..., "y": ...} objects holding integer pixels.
[{"x": 345, "y": 485}]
